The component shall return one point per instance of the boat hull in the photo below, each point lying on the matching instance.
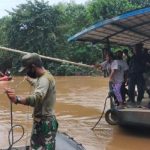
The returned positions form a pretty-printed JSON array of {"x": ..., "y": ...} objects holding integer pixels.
[
  {"x": 137, "y": 117},
  {"x": 134, "y": 117},
  {"x": 63, "y": 142}
]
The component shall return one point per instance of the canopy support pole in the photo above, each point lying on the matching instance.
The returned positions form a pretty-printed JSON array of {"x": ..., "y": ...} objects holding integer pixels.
[
  {"x": 106, "y": 48},
  {"x": 108, "y": 45}
]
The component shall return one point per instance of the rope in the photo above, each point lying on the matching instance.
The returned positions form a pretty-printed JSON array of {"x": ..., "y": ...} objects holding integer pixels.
[
  {"x": 19, "y": 83},
  {"x": 101, "y": 114},
  {"x": 28, "y": 110},
  {"x": 27, "y": 120},
  {"x": 11, "y": 116},
  {"x": 11, "y": 133}
]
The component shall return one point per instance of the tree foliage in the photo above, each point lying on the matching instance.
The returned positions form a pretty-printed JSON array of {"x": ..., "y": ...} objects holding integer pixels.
[
  {"x": 33, "y": 27},
  {"x": 140, "y": 3},
  {"x": 4, "y": 22},
  {"x": 104, "y": 9},
  {"x": 39, "y": 27}
]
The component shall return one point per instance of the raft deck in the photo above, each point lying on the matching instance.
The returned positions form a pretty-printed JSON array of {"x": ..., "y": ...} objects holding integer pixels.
[{"x": 63, "y": 142}]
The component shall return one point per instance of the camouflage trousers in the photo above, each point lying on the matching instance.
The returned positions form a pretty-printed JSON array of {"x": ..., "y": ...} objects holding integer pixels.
[{"x": 44, "y": 133}]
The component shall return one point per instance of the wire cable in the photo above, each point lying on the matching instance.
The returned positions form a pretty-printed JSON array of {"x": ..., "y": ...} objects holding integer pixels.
[{"x": 101, "y": 114}]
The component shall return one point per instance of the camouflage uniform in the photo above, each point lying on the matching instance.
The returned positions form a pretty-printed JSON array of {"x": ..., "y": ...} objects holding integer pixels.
[
  {"x": 44, "y": 133},
  {"x": 45, "y": 124}
]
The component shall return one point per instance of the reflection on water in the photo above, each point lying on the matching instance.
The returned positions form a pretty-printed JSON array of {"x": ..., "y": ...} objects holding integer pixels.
[{"x": 80, "y": 102}]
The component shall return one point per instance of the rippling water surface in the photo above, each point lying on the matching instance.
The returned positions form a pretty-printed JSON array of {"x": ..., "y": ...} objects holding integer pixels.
[{"x": 79, "y": 104}]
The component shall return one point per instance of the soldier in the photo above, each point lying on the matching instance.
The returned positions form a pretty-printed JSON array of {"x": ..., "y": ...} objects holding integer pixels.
[{"x": 43, "y": 99}]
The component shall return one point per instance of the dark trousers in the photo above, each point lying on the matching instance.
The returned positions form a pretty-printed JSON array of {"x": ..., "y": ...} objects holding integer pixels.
[
  {"x": 136, "y": 79},
  {"x": 124, "y": 91}
]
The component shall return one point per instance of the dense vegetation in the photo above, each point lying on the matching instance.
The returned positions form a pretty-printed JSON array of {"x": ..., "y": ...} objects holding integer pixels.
[{"x": 44, "y": 29}]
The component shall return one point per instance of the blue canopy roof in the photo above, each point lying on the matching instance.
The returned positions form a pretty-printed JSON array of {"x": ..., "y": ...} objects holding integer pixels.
[{"x": 127, "y": 29}]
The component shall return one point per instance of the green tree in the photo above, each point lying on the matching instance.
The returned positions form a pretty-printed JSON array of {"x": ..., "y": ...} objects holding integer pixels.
[
  {"x": 104, "y": 9},
  {"x": 38, "y": 27},
  {"x": 4, "y": 22},
  {"x": 140, "y": 3},
  {"x": 72, "y": 19},
  {"x": 33, "y": 27}
]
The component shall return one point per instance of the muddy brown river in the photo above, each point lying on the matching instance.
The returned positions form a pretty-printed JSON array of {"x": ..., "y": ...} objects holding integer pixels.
[{"x": 79, "y": 104}]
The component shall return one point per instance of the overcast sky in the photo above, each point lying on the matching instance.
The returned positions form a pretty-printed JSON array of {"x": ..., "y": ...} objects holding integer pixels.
[{"x": 9, "y": 4}]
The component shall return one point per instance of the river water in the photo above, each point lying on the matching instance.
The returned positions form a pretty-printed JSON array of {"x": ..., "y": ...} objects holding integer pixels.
[{"x": 79, "y": 104}]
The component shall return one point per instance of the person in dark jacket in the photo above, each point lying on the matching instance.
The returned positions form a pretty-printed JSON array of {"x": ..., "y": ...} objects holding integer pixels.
[
  {"x": 147, "y": 71},
  {"x": 135, "y": 74}
]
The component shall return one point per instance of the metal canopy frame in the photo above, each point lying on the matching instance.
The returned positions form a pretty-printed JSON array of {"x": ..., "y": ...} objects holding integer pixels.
[{"x": 127, "y": 29}]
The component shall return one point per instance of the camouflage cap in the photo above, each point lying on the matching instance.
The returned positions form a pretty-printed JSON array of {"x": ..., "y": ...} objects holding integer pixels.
[{"x": 29, "y": 59}]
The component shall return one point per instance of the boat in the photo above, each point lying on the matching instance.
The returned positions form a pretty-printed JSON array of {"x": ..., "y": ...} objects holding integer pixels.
[
  {"x": 127, "y": 29},
  {"x": 134, "y": 117},
  {"x": 128, "y": 116},
  {"x": 63, "y": 142}
]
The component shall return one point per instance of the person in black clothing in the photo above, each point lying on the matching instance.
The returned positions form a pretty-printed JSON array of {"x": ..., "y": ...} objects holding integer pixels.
[
  {"x": 135, "y": 74},
  {"x": 147, "y": 59},
  {"x": 124, "y": 90},
  {"x": 127, "y": 56},
  {"x": 147, "y": 71}
]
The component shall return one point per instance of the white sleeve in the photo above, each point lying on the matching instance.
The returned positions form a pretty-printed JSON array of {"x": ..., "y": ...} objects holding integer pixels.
[
  {"x": 104, "y": 64},
  {"x": 114, "y": 65}
]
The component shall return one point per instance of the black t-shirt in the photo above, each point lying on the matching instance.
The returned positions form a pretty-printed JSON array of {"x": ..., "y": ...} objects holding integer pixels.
[{"x": 137, "y": 64}]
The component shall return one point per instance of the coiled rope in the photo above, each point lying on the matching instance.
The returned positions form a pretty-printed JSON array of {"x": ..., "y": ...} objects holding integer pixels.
[{"x": 11, "y": 132}]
